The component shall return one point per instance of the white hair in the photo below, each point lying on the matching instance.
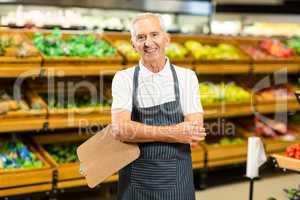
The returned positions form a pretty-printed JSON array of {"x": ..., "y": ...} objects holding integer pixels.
[{"x": 147, "y": 15}]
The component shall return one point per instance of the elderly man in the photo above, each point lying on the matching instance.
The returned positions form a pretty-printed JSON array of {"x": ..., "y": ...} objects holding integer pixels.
[{"x": 156, "y": 105}]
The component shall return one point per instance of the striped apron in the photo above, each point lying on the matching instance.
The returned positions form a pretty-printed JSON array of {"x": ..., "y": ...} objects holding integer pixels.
[{"x": 164, "y": 170}]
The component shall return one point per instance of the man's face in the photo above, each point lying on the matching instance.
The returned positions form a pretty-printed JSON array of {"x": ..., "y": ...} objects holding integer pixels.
[{"x": 149, "y": 39}]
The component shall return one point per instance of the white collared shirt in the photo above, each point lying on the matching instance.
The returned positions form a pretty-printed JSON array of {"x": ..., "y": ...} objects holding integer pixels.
[{"x": 156, "y": 88}]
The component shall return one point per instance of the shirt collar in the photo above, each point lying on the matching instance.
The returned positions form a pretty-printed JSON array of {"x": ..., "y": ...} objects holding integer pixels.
[{"x": 144, "y": 71}]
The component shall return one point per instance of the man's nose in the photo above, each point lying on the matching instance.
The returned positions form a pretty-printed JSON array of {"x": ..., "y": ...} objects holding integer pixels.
[{"x": 148, "y": 41}]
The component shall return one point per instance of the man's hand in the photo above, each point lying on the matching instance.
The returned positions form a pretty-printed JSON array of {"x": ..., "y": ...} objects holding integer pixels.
[{"x": 191, "y": 132}]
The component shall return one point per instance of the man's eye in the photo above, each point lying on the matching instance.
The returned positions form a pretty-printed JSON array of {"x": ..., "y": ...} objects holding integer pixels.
[
  {"x": 140, "y": 37},
  {"x": 155, "y": 34}
]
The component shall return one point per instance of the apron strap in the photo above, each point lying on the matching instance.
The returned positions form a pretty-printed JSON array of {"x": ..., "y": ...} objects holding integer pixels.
[
  {"x": 135, "y": 86},
  {"x": 176, "y": 84}
]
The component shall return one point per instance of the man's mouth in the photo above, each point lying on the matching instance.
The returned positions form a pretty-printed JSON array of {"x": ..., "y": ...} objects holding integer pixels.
[{"x": 150, "y": 51}]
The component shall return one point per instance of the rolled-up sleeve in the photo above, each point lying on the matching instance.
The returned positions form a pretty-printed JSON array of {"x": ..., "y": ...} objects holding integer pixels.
[
  {"x": 192, "y": 103},
  {"x": 122, "y": 91}
]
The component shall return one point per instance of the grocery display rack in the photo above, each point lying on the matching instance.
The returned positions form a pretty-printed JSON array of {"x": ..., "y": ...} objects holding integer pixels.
[{"x": 204, "y": 157}]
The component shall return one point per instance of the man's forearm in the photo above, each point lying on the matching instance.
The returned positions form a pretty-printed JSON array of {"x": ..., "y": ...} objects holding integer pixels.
[{"x": 132, "y": 131}]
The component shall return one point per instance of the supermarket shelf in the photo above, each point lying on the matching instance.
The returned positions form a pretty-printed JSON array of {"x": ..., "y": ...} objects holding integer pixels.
[
  {"x": 71, "y": 118},
  {"x": 287, "y": 163},
  {"x": 277, "y": 107},
  {"x": 222, "y": 68},
  {"x": 25, "y": 190},
  {"x": 21, "y": 181},
  {"x": 19, "y": 121},
  {"x": 260, "y": 68},
  {"x": 83, "y": 117},
  {"x": 81, "y": 70},
  {"x": 198, "y": 157},
  {"x": 26, "y": 71},
  {"x": 229, "y": 110},
  {"x": 224, "y": 162}
]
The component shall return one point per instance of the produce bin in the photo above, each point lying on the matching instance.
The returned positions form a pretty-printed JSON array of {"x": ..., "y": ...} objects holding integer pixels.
[
  {"x": 271, "y": 145},
  {"x": 287, "y": 163},
  {"x": 198, "y": 157},
  {"x": 28, "y": 114},
  {"x": 77, "y": 65},
  {"x": 213, "y": 63},
  {"x": 26, "y": 180},
  {"x": 67, "y": 116},
  {"x": 18, "y": 61},
  {"x": 265, "y": 62},
  {"x": 222, "y": 99},
  {"x": 67, "y": 173},
  {"x": 225, "y": 148}
]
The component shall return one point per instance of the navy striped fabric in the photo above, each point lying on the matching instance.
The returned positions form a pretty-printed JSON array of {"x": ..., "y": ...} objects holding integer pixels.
[{"x": 164, "y": 170}]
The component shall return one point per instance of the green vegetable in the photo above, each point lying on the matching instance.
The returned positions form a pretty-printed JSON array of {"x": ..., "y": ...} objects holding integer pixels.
[
  {"x": 53, "y": 45},
  {"x": 294, "y": 44},
  {"x": 63, "y": 153}
]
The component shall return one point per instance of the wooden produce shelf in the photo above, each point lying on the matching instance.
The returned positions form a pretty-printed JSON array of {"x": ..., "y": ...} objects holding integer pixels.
[
  {"x": 227, "y": 110},
  {"x": 272, "y": 107},
  {"x": 80, "y": 70},
  {"x": 269, "y": 64},
  {"x": 234, "y": 66},
  {"x": 22, "y": 181},
  {"x": 287, "y": 163},
  {"x": 273, "y": 66},
  {"x": 198, "y": 157},
  {"x": 18, "y": 121},
  {"x": 78, "y": 66},
  {"x": 68, "y": 174},
  {"x": 226, "y": 154},
  {"x": 25, "y": 120},
  {"x": 13, "y": 66},
  {"x": 271, "y": 145},
  {"x": 26, "y": 190},
  {"x": 222, "y": 68},
  {"x": 78, "y": 117}
]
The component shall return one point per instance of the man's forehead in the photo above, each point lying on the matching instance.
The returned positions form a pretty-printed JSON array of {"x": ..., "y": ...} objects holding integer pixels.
[{"x": 147, "y": 25}]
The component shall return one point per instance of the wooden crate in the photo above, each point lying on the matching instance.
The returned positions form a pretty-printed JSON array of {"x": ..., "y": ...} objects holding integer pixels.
[
  {"x": 287, "y": 163},
  {"x": 21, "y": 181},
  {"x": 72, "y": 117},
  {"x": 270, "y": 63},
  {"x": 25, "y": 120},
  {"x": 68, "y": 174},
  {"x": 227, "y": 110},
  {"x": 113, "y": 37},
  {"x": 226, "y": 154},
  {"x": 12, "y": 66},
  {"x": 198, "y": 157},
  {"x": 78, "y": 117},
  {"x": 271, "y": 145},
  {"x": 78, "y": 66},
  {"x": 205, "y": 66}
]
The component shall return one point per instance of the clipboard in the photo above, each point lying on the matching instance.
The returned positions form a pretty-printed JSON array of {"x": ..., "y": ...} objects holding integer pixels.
[{"x": 101, "y": 156}]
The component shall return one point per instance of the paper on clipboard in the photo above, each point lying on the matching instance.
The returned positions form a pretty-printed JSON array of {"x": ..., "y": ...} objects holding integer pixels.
[{"x": 101, "y": 156}]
